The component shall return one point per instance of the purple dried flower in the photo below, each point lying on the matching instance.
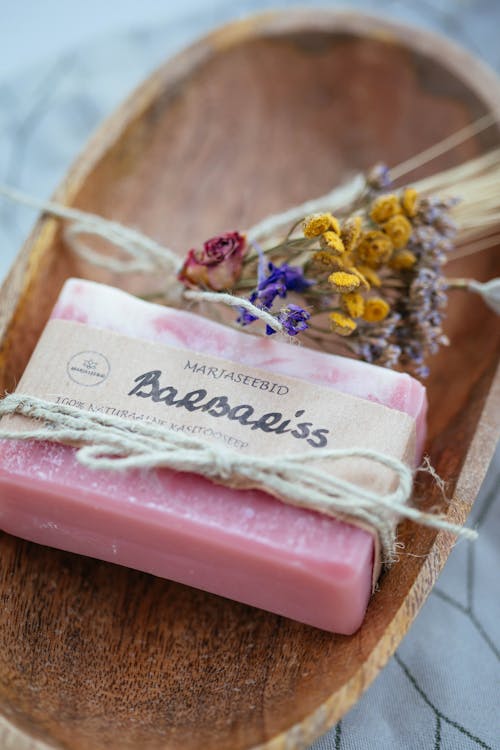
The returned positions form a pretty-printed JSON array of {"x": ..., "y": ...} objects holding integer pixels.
[
  {"x": 279, "y": 281},
  {"x": 434, "y": 212},
  {"x": 446, "y": 225},
  {"x": 245, "y": 317},
  {"x": 379, "y": 178},
  {"x": 293, "y": 318}
]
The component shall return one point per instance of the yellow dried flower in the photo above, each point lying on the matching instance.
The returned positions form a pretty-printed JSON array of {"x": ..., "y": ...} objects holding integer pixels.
[
  {"x": 376, "y": 309},
  {"x": 335, "y": 224},
  {"x": 317, "y": 224},
  {"x": 351, "y": 232},
  {"x": 403, "y": 260},
  {"x": 327, "y": 260},
  {"x": 342, "y": 324},
  {"x": 332, "y": 242},
  {"x": 347, "y": 261},
  {"x": 344, "y": 281},
  {"x": 409, "y": 201},
  {"x": 353, "y": 304},
  {"x": 399, "y": 230},
  {"x": 362, "y": 280},
  {"x": 384, "y": 207},
  {"x": 375, "y": 248},
  {"x": 370, "y": 275}
]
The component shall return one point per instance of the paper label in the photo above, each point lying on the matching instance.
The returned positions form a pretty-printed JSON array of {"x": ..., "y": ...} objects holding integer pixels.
[{"x": 245, "y": 408}]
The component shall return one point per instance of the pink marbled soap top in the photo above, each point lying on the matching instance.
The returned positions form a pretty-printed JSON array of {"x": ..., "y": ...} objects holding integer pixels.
[{"x": 102, "y": 306}]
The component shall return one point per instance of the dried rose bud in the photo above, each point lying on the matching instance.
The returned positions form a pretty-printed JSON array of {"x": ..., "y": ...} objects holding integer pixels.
[{"x": 218, "y": 266}]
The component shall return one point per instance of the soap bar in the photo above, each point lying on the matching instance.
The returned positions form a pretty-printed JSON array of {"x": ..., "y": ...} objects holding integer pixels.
[{"x": 242, "y": 544}]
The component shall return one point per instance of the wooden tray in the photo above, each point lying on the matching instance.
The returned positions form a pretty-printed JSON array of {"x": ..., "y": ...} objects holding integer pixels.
[{"x": 256, "y": 116}]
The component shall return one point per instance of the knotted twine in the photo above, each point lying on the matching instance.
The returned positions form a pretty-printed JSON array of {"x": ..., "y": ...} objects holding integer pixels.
[{"x": 111, "y": 443}]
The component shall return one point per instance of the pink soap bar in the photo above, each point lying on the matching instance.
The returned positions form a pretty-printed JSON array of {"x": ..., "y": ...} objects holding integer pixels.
[{"x": 242, "y": 544}]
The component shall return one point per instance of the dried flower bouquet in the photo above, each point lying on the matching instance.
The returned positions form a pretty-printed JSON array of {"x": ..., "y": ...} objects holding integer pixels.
[{"x": 368, "y": 280}]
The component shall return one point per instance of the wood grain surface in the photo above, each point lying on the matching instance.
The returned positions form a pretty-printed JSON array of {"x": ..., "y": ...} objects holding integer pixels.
[{"x": 259, "y": 115}]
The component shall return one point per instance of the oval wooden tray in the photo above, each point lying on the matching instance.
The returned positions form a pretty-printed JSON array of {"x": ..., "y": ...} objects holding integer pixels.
[{"x": 256, "y": 116}]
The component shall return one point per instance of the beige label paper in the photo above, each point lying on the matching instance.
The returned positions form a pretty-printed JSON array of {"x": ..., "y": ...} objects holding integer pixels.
[{"x": 247, "y": 409}]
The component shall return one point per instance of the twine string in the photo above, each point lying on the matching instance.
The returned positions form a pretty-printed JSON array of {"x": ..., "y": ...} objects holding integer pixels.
[
  {"x": 112, "y": 443},
  {"x": 145, "y": 255},
  {"x": 232, "y": 301}
]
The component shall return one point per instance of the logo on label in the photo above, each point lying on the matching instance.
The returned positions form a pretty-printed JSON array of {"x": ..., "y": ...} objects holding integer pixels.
[{"x": 88, "y": 368}]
